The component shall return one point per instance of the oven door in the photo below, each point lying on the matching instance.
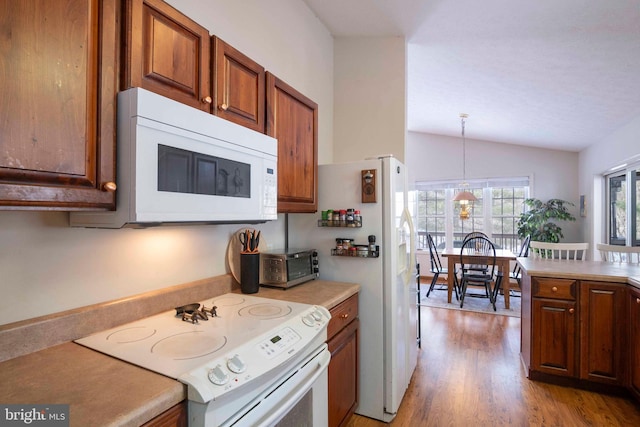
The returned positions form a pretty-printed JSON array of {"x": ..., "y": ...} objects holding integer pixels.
[{"x": 297, "y": 398}]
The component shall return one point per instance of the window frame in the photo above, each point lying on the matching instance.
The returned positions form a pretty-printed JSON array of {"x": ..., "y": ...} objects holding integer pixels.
[
  {"x": 631, "y": 177},
  {"x": 485, "y": 217}
]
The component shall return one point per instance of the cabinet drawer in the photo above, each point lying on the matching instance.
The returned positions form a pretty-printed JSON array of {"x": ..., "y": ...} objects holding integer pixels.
[
  {"x": 554, "y": 288},
  {"x": 342, "y": 315}
]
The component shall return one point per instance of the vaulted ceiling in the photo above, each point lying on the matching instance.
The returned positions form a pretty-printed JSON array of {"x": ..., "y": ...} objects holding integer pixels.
[{"x": 549, "y": 73}]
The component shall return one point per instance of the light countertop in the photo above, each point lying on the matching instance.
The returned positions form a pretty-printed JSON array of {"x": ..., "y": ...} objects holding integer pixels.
[{"x": 584, "y": 270}]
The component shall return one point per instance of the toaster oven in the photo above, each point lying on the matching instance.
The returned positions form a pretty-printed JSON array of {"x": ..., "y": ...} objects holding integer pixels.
[{"x": 284, "y": 269}]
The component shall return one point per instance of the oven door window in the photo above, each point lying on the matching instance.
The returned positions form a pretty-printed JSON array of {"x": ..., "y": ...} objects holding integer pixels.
[
  {"x": 183, "y": 171},
  {"x": 298, "y": 267}
]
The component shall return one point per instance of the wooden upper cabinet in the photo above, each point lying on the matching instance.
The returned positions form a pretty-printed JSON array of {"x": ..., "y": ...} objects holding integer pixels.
[
  {"x": 239, "y": 91},
  {"x": 292, "y": 119},
  {"x": 58, "y": 88},
  {"x": 167, "y": 53}
]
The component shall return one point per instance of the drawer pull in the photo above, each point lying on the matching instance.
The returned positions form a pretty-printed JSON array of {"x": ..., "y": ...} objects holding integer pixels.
[
  {"x": 344, "y": 316},
  {"x": 554, "y": 289},
  {"x": 637, "y": 300},
  {"x": 109, "y": 186},
  {"x": 571, "y": 310}
]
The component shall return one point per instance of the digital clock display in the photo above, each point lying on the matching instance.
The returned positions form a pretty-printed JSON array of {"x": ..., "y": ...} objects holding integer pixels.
[{"x": 276, "y": 339}]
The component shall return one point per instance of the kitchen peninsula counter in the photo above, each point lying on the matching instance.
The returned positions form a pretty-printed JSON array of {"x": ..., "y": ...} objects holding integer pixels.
[
  {"x": 582, "y": 270},
  {"x": 579, "y": 324},
  {"x": 102, "y": 390}
]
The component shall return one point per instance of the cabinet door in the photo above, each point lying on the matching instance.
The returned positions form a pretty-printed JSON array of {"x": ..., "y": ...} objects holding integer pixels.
[
  {"x": 176, "y": 416},
  {"x": 343, "y": 374},
  {"x": 292, "y": 119},
  {"x": 167, "y": 53},
  {"x": 602, "y": 332},
  {"x": 634, "y": 342},
  {"x": 57, "y": 108},
  {"x": 239, "y": 91},
  {"x": 554, "y": 337}
]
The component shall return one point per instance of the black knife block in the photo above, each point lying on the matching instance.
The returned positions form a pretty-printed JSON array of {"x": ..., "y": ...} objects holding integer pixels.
[{"x": 249, "y": 273}]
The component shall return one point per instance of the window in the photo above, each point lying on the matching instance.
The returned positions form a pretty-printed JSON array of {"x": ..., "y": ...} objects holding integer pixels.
[
  {"x": 495, "y": 213},
  {"x": 623, "y": 213}
]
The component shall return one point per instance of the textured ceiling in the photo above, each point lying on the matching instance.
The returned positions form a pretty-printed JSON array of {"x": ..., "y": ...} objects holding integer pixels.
[{"x": 549, "y": 73}]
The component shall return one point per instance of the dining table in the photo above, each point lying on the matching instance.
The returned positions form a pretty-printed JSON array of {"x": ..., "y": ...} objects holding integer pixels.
[{"x": 503, "y": 258}]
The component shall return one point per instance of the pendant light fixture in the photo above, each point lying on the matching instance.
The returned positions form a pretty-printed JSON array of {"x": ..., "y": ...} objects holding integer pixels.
[{"x": 464, "y": 196}]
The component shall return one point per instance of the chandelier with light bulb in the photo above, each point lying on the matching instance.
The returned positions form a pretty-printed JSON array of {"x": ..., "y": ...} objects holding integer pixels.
[{"x": 464, "y": 196}]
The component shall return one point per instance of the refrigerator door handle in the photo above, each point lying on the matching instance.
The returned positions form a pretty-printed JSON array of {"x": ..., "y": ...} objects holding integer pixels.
[{"x": 406, "y": 219}]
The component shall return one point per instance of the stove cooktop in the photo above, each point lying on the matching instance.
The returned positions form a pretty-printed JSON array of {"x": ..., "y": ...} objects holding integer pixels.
[{"x": 245, "y": 337}]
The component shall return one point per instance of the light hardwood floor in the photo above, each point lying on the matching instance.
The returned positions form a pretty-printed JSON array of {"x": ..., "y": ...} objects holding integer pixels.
[{"x": 469, "y": 374}]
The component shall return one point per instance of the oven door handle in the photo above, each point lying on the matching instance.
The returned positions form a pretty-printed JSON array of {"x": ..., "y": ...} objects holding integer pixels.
[{"x": 322, "y": 360}]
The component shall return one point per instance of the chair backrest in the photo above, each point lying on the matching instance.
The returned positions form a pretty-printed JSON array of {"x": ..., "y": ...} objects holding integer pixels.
[
  {"x": 482, "y": 247},
  {"x": 474, "y": 234},
  {"x": 524, "y": 252},
  {"x": 524, "y": 248},
  {"x": 616, "y": 253},
  {"x": 436, "y": 264},
  {"x": 566, "y": 251}
]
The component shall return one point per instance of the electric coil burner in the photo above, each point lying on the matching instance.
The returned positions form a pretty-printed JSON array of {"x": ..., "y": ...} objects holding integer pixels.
[{"x": 219, "y": 347}]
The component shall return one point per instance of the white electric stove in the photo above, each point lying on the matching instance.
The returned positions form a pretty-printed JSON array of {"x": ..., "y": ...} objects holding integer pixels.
[{"x": 233, "y": 352}]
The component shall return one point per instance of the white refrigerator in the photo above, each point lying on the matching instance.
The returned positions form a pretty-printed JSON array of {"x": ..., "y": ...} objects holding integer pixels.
[{"x": 387, "y": 299}]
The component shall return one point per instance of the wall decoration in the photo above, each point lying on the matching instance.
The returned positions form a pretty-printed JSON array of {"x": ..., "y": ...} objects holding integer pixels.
[{"x": 583, "y": 206}]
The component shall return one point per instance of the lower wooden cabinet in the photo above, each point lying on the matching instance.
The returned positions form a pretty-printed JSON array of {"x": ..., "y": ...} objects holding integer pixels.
[
  {"x": 603, "y": 334},
  {"x": 554, "y": 343},
  {"x": 634, "y": 342},
  {"x": 342, "y": 339},
  {"x": 176, "y": 416},
  {"x": 578, "y": 330}
]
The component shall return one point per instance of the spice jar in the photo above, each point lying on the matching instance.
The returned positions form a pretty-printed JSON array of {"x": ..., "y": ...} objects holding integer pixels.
[
  {"x": 363, "y": 250},
  {"x": 346, "y": 243},
  {"x": 357, "y": 219},
  {"x": 349, "y": 217}
]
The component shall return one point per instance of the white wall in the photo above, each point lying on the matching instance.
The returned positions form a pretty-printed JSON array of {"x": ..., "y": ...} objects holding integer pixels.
[
  {"x": 555, "y": 173},
  {"x": 370, "y": 100},
  {"x": 46, "y": 267},
  {"x": 623, "y": 146}
]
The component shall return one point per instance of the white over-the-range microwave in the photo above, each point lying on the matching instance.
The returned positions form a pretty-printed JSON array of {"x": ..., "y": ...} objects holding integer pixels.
[{"x": 177, "y": 164}]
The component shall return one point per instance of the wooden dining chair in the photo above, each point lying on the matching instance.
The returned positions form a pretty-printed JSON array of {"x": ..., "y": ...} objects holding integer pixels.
[
  {"x": 475, "y": 234},
  {"x": 516, "y": 273},
  {"x": 437, "y": 269},
  {"x": 564, "y": 251},
  {"x": 484, "y": 269},
  {"x": 471, "y": 235},
  {"x": 620, "y": 254}
]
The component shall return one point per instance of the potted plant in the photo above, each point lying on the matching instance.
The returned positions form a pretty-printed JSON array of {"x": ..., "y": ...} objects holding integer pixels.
[{"x": 538, "y": 221}]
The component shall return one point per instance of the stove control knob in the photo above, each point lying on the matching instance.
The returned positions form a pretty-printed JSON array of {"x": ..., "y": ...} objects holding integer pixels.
[
  {"x": 218, "y": 376},
  {"x": 317, "y": 315},
  {"x": 308, "y": 320},
  {"x": 236, "y": 365}
]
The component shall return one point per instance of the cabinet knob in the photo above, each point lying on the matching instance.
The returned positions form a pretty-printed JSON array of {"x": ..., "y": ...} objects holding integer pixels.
[
  {"x": 571, "y": 310},
  {"x": 109, "y": 186},
  {"x": 344, "y": 316},
  {"x": 554, "y": 289},
  {"x": 223, "y": 107},
  {"x": 207, "y": 100},
  {"x": 637, "y": 300}
]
